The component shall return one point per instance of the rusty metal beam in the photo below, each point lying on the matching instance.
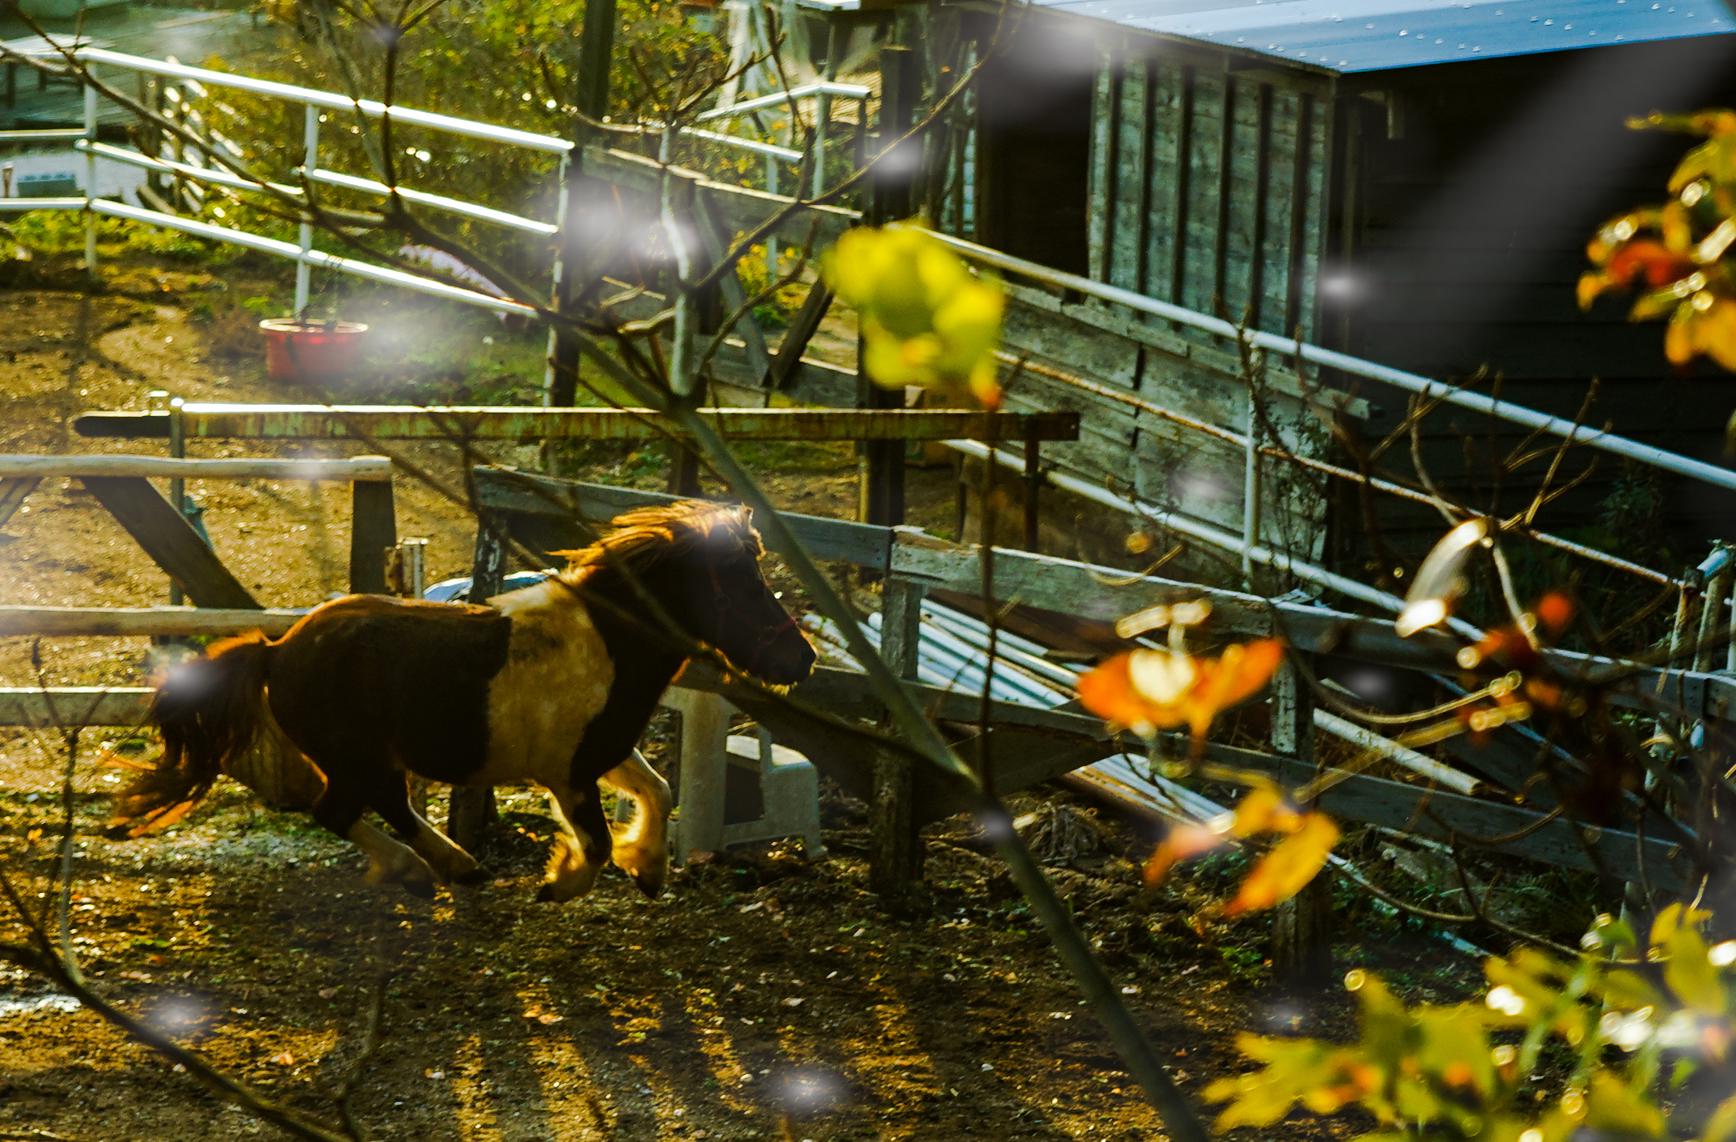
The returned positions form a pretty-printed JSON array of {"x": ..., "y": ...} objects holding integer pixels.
[{"x": 408, "y": 422}]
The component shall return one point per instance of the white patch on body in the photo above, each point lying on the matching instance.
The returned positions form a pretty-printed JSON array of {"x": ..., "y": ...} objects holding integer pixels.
[{"x": 556, "y": 679}]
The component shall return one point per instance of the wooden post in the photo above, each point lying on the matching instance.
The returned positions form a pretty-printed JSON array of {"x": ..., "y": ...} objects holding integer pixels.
[
  {"x": 895, "y": 843},
  {"x": 883, "y": 461},
  {"x": 471, "y": 810},
  {"x": 596, "y": 53},
  {"x": 1302, "y": 925},
  {"x": 1033, "y": 491},
  {"x": 373, "y": 530}
]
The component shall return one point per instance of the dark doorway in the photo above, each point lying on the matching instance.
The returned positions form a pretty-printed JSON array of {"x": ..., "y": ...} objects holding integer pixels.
[{"x": 1035, "y": 97}]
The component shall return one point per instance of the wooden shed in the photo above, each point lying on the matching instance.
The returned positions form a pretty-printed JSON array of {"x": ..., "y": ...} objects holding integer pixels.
[{"x": 1410, "y": 182}]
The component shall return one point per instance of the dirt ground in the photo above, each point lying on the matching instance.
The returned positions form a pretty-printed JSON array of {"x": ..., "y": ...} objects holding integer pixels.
[{"x": 765, "y": 996}]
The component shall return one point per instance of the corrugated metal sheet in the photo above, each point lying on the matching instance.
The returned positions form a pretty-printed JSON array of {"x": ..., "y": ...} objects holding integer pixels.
[{"x": 1378, "y": 35}]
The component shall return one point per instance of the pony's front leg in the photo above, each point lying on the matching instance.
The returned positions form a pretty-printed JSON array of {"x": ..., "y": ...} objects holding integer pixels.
[
  {"x": 582, "y": 847},
  {"x": 641, "y": 850}
]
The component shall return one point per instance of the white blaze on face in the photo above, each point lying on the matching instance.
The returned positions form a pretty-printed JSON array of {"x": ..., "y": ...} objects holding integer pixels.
[{"x": 556, "y": 679}]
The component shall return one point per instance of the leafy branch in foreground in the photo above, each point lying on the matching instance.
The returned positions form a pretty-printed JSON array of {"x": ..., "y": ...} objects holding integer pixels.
[{"x": 1558, "y": 1049}]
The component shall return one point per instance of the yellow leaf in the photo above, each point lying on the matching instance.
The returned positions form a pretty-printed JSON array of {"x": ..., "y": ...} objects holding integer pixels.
[
  {"x": 926, "y": 320},
  {"x": 1689, "y": 972},
  {"x": 1284, "y": 871}
]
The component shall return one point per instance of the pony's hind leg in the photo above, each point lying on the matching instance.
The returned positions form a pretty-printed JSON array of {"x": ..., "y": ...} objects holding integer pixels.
[
  {"x": 340, "y": 809},
  {"x": 389, "y": 794},
  {"x": 582, "y": 848},
  {"x": 641, "y": 850}
]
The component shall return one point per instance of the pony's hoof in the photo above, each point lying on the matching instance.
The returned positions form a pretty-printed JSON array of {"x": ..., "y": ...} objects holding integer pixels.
[
  {"x": 650, "y": 885},
  {"x": 421, "y": 889},
  {"x": 472, "y": 878},
  {"x": 546, "y": 895}
]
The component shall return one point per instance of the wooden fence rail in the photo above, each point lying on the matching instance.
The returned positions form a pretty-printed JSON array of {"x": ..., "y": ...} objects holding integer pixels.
[{"x": 531, "y": 425}]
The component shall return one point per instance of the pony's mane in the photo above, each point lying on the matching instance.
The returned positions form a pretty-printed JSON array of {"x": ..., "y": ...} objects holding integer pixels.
[{"x": 644, "y": 536}]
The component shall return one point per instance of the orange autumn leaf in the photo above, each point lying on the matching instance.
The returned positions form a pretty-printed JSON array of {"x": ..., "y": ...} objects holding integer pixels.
[
  {"x": 1285, "y": 870},
  {"x": 1262, "y": 810},
  {"x": 1649, "y": 259},
  {"x": 1150, "y": 690}
]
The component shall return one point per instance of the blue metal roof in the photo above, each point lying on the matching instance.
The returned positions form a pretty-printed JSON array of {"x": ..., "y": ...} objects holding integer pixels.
[{"x": 1377, "y": 35}]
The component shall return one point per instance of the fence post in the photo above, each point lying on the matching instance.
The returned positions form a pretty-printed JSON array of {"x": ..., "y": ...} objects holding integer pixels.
[
  {"x": 310, "y": 163},
  {"x": 471, "y": 809},
  {"x": 90, "y": 186},
  {"x": 1302, "y": 925},
  {"x": 1251, "y": 488},
  {"x": 373, "y": 530},
  {"x": 596, "y": 49},
  {"x": 882, "y": 494},
  {"x": 895, "y": 842}
]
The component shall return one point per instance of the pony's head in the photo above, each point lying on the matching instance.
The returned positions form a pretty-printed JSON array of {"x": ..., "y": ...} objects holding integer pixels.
[{"x": 701, "y": 561}]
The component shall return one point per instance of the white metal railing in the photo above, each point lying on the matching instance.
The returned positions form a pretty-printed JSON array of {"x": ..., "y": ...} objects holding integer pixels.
[
  {"x": 1416, "y": 383},
  {"x": 318, "y": 106}
]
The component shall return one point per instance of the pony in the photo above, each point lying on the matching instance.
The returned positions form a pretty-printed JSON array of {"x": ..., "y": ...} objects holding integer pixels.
[{"x": 550, "y": 685}]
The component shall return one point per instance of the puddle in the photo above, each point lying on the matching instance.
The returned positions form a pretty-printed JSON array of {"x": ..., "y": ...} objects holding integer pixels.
[{"x": 36, "y": 1004}]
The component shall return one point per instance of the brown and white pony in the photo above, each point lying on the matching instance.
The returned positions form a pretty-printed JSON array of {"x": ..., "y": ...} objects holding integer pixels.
[{"x": 552, "y": 684}]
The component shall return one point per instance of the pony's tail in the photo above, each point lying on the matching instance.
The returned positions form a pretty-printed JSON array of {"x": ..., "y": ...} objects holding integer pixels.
[{"x": 209, "y": 709}]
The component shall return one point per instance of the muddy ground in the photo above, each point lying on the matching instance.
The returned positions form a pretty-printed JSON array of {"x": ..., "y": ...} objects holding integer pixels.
[{"x": 765, "y": 996}]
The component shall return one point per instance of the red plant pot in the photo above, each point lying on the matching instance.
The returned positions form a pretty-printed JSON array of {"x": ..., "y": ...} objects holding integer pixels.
[{"x": 299, "y": 351}]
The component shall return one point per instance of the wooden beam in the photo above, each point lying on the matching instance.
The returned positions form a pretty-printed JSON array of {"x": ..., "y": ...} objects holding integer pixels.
[
  {"x": 801, "y": 330},
  {"x": 713, "y": 240},
  {"x": 68, "y": 706},
  {"x": 170, "y": 540},
  {"x": 528, "y": 425},
  {"x": 143, "y": 622},
  {"x": 570, "y": 503},
  {"x": 369, "y": 468},
  {"x": 13, "y": 491}
]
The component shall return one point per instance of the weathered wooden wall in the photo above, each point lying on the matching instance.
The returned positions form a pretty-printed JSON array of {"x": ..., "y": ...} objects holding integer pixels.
[{"x": 1208, "y": 185}]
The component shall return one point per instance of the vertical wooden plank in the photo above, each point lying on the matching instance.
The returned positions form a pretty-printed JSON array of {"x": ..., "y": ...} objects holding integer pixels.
[
  {"x": 1132, "y": 143},
  {"x": 1152, "y": 77},
  {"x": 1112, "y": 169},
  {"x": 1183, "y": 132},
  {"x": 170, "y": 541},
  {"x": 1298, "y": 254},
  {"x": 1302, "y": 925},
  {"x": 1262, "y": 180},
  {"x": 373, "y": 529},
  {"x": 1100, "y": 199},
  {"x": 1226, "y": 161},
  {"x": 12, "y": 495},
  {"x": 895, "y": 844}
]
